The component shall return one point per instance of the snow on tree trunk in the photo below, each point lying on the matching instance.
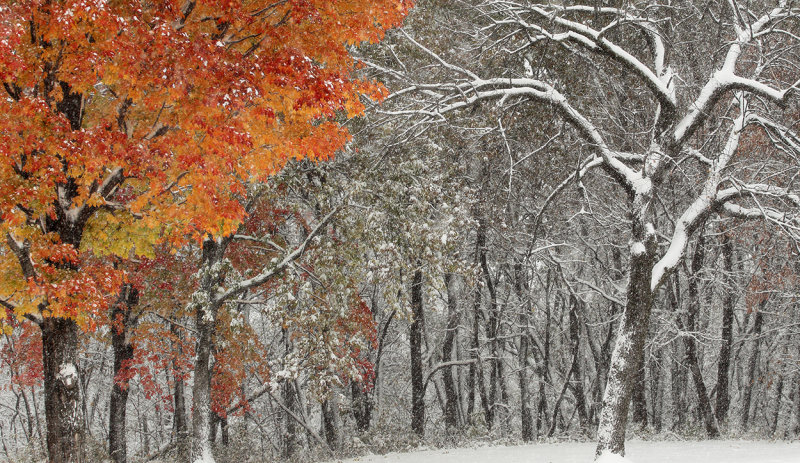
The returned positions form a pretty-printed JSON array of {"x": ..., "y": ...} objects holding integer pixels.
[
  {"x": 63, "y": 399},
  {"x": 626, "y": 359},
  {"x": 201, "y": 393}
]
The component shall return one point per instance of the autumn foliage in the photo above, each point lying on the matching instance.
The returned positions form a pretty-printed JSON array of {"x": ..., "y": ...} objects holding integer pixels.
[
  {"x": 150, "y": 119},
  {"x": 126, "y": 124}
]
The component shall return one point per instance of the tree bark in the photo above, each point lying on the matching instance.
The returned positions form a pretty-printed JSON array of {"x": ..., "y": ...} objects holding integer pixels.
[
  {"x": 639, "y": 399},
  {"x": 205, "y": 324},
  {"x": 201, "y": 392},
  {"x": 520, "y": 287},
  {"x": 362, "y": 406},
  {"x": 752, "y": 366},
  {"x": 451, "y": 397},
  {"x": 492, "y": 327},
  {"x": 796, "y": 404},
  {"x": 626, "y": 359},
  {"x": 289, "y": 399},
  {"x": 576, "y": 384},
  {"x": 723, "y": 366},
  {"x": 332, "y": 422},
  {"x": 691, "y": 346},
  {"x": 543, "y": 370},
  {"x": 62, "y": 394},
  {"x": 180, "y": 423},
  {"x": 121, "y": 325},
  {"x": 677, "y": 376},
  {"x": 416, "y": 338}
]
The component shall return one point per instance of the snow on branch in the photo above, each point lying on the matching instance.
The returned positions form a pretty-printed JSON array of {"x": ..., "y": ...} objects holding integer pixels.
[
  {"x": 697, "y": 212},
  {"x": 725, "y": 78},
  {"x": 657, "y": 80},
  {"x": 277, "y": 268}
]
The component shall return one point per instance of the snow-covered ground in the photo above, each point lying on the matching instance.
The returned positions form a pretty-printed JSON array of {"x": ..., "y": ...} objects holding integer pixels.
[{"x": 637, "y": 452}]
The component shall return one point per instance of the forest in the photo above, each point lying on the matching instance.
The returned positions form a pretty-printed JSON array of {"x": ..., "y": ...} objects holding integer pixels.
[{"x": 307, "y": 230}]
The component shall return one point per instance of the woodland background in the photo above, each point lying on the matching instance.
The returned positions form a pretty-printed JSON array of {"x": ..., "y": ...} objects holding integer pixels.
[{"x": 457, "y": 272}]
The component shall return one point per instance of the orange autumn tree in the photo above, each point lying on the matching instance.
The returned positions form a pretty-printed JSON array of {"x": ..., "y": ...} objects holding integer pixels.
[{"x": 126, "y": 122}]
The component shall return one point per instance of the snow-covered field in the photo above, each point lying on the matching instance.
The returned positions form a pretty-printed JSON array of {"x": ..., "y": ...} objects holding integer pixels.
[{"x": 637, "y": 452}]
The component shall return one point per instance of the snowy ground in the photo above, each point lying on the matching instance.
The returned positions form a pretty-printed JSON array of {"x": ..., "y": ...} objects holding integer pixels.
[{"x": 637, "y": 452}]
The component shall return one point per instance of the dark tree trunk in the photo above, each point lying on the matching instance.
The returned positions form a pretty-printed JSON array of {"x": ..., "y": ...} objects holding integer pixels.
[
  {"x": 121, "y": 325},
  {"x": 416, "y": 339},
  {"x": 290, "y": 438},
  {"x": 778, "y": 396},
  {"x": 543, "y": 372},
  {"x": 492, "y": 327},
  {"x": 576, "y": 384},
  {"x": 221, "y": 423},
  {"x": 752, "y": 366},
  {"x": 180, "y": 422},
  {"x": 451, "y": 396},
  {"x": 677, "y": 376},
  {"x": 205, "y": 324},
  {"x": 332, "y": 423},
  {"x": 62, "y": 394},
  {"x": 691, "y": 346},
  {"x": 474, "y": 346},
  {"x": 723, "y": 367},
  {"x": 796, "y": 403},
  {"x": 520, "y": 287},
  {"x": 362, "y": 406},
  {"x": 656, "y": 391},
  {"x": 639, "y": 399}
]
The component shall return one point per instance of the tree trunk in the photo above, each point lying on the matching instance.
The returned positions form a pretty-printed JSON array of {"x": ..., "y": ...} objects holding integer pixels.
[
  {"x": 656, "y": 391},
  {"x": 121, "y": 326},
  {"x": 723, "y": 367},
  {"x": 524, "y": 394},
  {"x": 752, "y": 366},
  {"x": 472, "y": 373},
  {"x": 691, "y": 346},
  {"x": 291, "y": 442},
  {"x": 332, "y": 422},
  {"x": 62, "y": 394},
  {"x": 626, "y": 359},
  {"x": 639, "y": 399},
  {"x": 576, "y": 384},
  {"x": 180, "y": 423},
  {"x": 451, "y": 397},
  {"x": 543, "y": 372},
  {"x": 416, "y": 337},
  {"x": 796, "y": 404},
  {"x": 201, "y": 392},
  {"x": 205, "y": 324},
  {"x": 492, "y": 326},
  {"x": 677, "y": 375},
  {"x": 362, "y": 406}
]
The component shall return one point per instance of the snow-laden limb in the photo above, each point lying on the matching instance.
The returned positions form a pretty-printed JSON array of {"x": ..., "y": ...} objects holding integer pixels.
[
  {"x": 771, "y": 191},
  {"x": 699, "y": 209},
  {"x": 467, "y": 94},
  {"x": 789, "y": 223},
  {"x": 657, "y": 80},
  {"x": 274, "y": 270},
  {"x": 725, "y": 78},
  {"x": 781, "y": 136}
]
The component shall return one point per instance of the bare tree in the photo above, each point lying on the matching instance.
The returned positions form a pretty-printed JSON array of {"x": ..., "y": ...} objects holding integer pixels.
[{"x": 682, "y": 120}]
